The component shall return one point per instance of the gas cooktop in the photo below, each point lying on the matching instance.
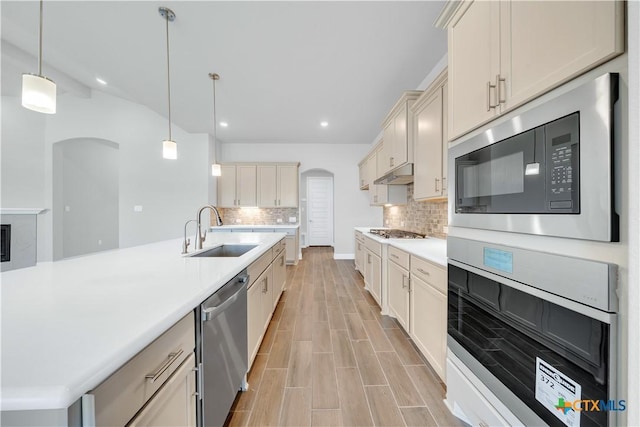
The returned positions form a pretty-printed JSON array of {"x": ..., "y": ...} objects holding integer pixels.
[{"x": 396, "y": 234}]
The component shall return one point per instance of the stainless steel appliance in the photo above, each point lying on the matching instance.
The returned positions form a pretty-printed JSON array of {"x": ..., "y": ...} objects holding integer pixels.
[
  {"x": 390, "y": 233},
  {"x": 221, "y": 349},
  {"x": 535, "y": 329},
  {"x": 5, "y": 242},
  {"x": 547, "y": 171}
]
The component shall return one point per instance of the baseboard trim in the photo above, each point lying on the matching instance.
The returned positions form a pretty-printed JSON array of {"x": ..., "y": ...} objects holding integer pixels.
[{"x": 344, "y": 256}]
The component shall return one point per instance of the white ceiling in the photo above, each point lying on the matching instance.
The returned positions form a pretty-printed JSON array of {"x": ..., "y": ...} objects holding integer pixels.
[{"x": 284, "y": 66}]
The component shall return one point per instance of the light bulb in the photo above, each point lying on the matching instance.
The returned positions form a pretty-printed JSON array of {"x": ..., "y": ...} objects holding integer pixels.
[{"x": 169, "y": 149}]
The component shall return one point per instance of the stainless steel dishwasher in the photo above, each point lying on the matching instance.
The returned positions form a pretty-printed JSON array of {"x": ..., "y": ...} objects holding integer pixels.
[{"x": 221, "y": 348}]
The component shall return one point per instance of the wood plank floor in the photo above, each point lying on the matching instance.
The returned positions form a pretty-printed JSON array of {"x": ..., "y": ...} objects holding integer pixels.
[{"x": 330, "y": 359}]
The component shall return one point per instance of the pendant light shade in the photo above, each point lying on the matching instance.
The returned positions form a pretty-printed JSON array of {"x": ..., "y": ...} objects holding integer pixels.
[
  {"x": 169, "y": 146},
  {"x": 216, "y": 170},
  {"x": 39, "y": 92},
  {"x": 169, "y": 149}
]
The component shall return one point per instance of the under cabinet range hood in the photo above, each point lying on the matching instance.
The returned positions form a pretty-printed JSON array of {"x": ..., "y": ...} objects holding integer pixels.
[{"x": 402, "y": 175}]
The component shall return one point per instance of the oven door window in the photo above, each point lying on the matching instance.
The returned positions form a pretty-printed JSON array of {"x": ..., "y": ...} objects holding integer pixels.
[{"x": 506, "y": 329}]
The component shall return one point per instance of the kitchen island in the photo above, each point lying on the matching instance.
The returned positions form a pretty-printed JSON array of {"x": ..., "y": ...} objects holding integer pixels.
[{"x": 68, "y": 325}]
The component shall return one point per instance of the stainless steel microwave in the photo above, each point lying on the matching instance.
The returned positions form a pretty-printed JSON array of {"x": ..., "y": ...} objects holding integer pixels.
[{"x": 547, "y": 171}]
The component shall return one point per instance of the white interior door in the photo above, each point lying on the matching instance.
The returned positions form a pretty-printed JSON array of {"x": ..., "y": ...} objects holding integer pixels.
[{"x": 320, "y": 211}]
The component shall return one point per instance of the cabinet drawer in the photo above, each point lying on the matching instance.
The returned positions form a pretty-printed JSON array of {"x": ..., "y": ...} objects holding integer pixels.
[
  {"x": 259, "y": 265},
  {"x": 399, "y": 257},
  {"x": 359, "y": 237},
  {"x": 121, "y": 395},
  {"x": 373, "y": 246},
  {"x": 434, "y": 275},
  {"x": 277, "y": 248}
]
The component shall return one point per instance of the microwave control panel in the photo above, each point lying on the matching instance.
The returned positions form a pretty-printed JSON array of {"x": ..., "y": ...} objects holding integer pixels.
[{"x": 562, "y": 147}]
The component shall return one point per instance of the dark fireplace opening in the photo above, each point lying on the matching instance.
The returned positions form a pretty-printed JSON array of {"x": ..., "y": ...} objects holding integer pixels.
[{"x": 6, "y": 242}]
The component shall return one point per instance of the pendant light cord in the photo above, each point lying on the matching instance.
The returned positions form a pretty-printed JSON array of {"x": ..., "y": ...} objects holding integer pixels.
[
  {"x": 168, "y": 73},
  {"x": 215, "y": 123},
  {"x": 40, "y": 42}
]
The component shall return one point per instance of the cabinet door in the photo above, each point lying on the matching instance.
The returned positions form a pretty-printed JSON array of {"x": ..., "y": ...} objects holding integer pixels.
[
  {"x": 291, "y": 248},
  {"x": 383, "y": 154},
  {"x": 227, "y": 187},
  {"x": 246, "y": 185},
  {"x": 279, "y": 277},
  {"x": 445, "y": 138},
  {"x": 175, "y": 403},
  {"x": 546, "y": 43},
  {"x": 267, "y": 186},
  {"x": 267, "y": 297},
  {"x": 398, "y": 295},
  {"x": 428, "y": 142},
  {"x": 288, "y": 186},
  {"x": 376, "y": 278},
  {"x": 474, "y": 49},
  {"x": 399, "y": 149},
  {"x": 254, "y": 317},
  {"x": 362, "y": 174},
  {"x": 358, "y": 258},
  {"x": 429, "y": 323},
  {"x": 371, "y": 170}
]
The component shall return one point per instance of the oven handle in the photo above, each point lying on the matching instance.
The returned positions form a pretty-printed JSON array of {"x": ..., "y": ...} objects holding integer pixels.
[{"x": 594, "y": 313}]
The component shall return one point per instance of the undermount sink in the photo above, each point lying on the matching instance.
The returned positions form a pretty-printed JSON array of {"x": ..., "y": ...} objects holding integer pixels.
[{"x": 225, "y": 251}]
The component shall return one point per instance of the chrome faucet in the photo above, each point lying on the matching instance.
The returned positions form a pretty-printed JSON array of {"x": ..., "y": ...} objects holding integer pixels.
[
  {"x": 186, "y": 242},
  {"x": 200, "y": 238}
]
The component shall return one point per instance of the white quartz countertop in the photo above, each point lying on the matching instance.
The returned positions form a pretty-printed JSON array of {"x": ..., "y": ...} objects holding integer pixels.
[
  {"x": 255, "y": 226},
  {"x": 431, "y": 249},
  {"x": 67, "y": 325}
]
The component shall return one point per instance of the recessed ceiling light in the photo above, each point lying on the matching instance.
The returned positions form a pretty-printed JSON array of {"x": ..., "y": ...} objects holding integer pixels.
[
  {"x": 224, "y": 124},
  {"x": 324, "y": 124},
  {"x": 99, "y": 80}
]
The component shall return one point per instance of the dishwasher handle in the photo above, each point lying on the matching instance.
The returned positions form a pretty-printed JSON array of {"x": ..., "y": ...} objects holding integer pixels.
[{"x": 210, "y": 313}]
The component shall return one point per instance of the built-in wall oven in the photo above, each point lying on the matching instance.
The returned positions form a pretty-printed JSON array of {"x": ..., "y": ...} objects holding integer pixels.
[
  {"x": 536, "y": 331},
  {"x": 547, "y": 171}
]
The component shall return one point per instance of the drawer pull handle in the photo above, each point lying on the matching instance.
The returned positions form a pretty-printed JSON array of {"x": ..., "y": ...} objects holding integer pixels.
[
  {"x": 394, "y": 256},
  {"x": 424, "y": 272},
  {"x": 172, "y": 358}
]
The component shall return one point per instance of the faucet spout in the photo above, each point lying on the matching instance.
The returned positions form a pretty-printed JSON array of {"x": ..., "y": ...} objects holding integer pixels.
[{"x": 200, "y": 238}]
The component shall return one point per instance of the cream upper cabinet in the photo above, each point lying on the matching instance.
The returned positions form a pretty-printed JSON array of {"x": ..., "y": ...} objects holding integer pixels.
[
  {"x": 257, "y": 184},
  {"x": 237, "y": 186},
  {"x": 227, "y": 187},
  {"x": 474, "y": 49},
  {"x": 371, "y": 169},
  {"x": 246, "y": 185},
  {"x": 267, "y": 186},
  {"x": 288, "y": 186},
  {"x": 363, "y": 169},
  {"x": 397, "y": 141},
  {"x": 430, "y": 142},
  {"x": 504, "y": 53},
  {"x": 570, "y": 37}
]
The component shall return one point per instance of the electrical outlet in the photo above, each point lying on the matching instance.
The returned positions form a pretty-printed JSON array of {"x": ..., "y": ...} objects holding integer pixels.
[
  {"x": 293, "y": 219},
  {"x": 67, "y": 208},
  {"x": 238, "y": 220},
  {"x": 279, "y": 220},
  {"x": 137, "y": 208},
  {"x": 401, "y": 223},
  {"x": 99, "y": 242},
  {"x": 386, "y": 222},
  {"x": 445, "y": 229}
]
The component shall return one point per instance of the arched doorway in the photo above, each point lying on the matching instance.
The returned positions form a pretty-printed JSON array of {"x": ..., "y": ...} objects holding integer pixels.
[{"x": 85, "y": 196}]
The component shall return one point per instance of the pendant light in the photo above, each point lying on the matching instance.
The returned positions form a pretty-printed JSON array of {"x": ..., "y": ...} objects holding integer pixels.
[
  {"x": 169, "y": 147},
  {"x": 216, "y": 170},
  {"x": 39, "y": 92}
]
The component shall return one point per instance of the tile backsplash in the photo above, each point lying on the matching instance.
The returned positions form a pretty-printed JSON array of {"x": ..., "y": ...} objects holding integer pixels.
[
  {"x": 257, "y": 216},
  {"x": 420, "y": 217}
]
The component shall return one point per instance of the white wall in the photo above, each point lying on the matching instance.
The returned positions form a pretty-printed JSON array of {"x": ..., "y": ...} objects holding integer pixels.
[
  {"x": 170, "y": 192},
  {"x": 351, "y": 206}
]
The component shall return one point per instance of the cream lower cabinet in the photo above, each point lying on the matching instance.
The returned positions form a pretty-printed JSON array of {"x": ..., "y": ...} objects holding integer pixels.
[
  {"x": 359, "y": 256},
  {"x": 398, "y": 288},
  {"x": 429, "y": 312},
  {"x": 430, "y": 142},
  {"x": 279, "y": 274},
  {"x": 175, "y": 403},
  {"x": 504, "y": 53},
  {"x": 373, "y": 275}
]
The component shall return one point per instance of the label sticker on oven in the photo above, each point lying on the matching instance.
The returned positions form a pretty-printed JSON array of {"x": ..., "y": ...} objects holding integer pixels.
[
  {"x": 500, "y": 260},
  {"x": 557, "y": 392}
]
